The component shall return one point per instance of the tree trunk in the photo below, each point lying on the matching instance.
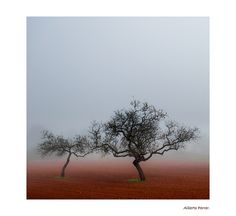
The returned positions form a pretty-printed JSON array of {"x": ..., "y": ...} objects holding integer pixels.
[
  {"x": 140, "y": 171},
  {"x": 65, "y": 165}
]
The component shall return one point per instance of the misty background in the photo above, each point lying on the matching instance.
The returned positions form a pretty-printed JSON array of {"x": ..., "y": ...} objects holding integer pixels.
[{"x": 81, "y": 69}]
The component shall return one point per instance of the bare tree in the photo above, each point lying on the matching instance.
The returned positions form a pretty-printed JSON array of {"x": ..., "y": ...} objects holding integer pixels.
[
  {"x": 78, "y": 146},
  {"x": 140, "y": 133}
]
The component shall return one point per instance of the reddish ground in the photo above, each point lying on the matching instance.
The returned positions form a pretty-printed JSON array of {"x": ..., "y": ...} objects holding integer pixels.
[{"x": 112, "y": 180}]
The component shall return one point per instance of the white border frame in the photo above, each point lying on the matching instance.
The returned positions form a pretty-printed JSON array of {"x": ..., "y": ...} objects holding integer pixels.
[{"x": 13, "y": 107}]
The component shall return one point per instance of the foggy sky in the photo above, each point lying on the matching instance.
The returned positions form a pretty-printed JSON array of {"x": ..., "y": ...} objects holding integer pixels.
[{"x": 82, "y": 69}]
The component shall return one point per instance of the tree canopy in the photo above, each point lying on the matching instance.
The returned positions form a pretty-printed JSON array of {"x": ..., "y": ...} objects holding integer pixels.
[
  {"x": 140, "y": 132},
  {"x": 77, "y": 146}
]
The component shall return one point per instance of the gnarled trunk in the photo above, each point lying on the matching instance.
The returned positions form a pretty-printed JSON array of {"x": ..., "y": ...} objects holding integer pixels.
[
  {"x": 140, "y": 171},
  {"x": 65, "y": 165}
]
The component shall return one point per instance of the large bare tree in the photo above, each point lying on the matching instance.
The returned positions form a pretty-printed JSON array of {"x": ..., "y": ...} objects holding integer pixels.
[
  {"x": 140, "y": 132},
  {"x": 78, "y": 146}
]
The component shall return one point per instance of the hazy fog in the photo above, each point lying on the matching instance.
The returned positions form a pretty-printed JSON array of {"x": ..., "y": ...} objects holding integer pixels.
[{"x": 82, "y": 69}]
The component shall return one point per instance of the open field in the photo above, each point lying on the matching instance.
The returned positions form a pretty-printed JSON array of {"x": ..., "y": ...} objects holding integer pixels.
[{"x": 116, "y": 180}]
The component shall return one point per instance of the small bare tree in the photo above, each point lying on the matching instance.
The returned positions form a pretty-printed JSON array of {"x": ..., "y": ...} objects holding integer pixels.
[
  {"x": 78, "y": 146},
  {"x": 140, "y": 133}
]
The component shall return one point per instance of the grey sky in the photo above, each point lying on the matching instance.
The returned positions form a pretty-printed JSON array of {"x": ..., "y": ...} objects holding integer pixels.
[{"x": 82, "y": 69}]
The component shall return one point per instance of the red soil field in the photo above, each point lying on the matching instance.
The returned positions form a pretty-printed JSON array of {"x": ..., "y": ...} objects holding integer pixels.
[{"x": 113, "y": 180}]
